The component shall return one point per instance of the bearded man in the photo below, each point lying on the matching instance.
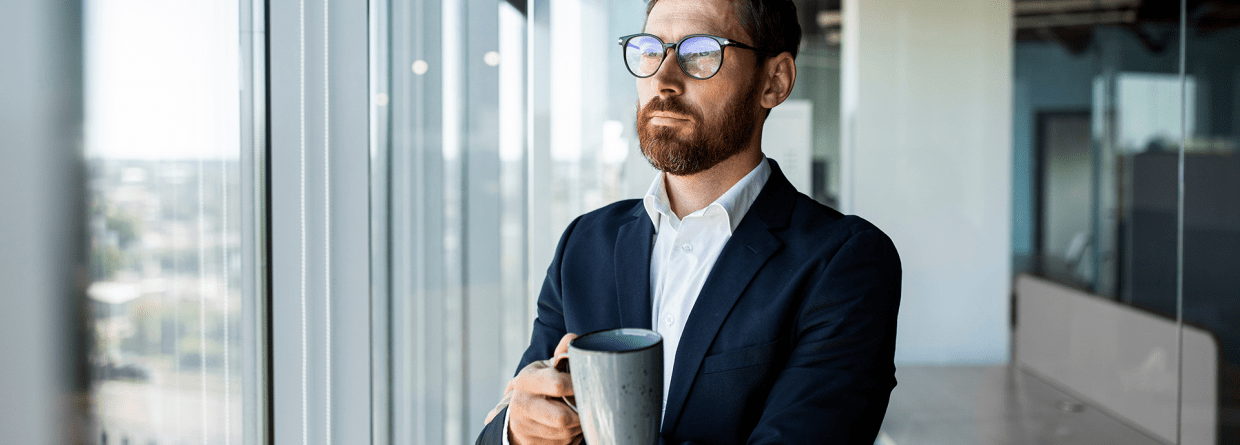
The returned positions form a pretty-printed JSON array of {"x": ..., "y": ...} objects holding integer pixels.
[{"x": 778, "y": 314}]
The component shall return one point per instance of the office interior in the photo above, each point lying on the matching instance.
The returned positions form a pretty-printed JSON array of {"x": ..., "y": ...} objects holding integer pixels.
[{"x": 314, "y": 221}]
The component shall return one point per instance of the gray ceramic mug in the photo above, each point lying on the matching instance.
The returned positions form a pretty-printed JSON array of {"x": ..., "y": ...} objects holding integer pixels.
[{"x": 617, "y": 385}]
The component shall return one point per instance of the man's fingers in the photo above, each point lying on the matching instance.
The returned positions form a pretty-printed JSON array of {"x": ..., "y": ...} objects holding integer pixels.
[
  {"x": 540, "y": 434},
  {"x": 536, "y": 364},
  {"x": 540, "y": 418},
  {"x": 562, "y": 348},
  {"x": 553, "y": 413},
  {"x": 543, "y": 381}
]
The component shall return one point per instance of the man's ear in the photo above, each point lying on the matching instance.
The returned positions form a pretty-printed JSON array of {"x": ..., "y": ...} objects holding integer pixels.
[{"x": 780, "y": 76}]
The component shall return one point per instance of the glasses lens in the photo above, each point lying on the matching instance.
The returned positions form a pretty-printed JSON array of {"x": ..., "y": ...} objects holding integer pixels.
[
  {"x": 700, "y": 57},
  {"x": 643, "y": 54}
]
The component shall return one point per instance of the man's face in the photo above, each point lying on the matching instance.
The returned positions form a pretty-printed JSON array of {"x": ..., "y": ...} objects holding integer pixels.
[{"x": 688, "y": 125}]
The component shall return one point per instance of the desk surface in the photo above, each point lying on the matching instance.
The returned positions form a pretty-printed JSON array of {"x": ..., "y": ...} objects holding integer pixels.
[{"x": 993, "y": 405}]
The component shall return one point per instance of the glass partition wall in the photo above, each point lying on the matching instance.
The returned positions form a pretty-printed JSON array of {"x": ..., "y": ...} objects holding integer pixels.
[
  {"x": 1127, "y": 176},
  {"x": 174, "y": 144},
  {"x": 1209, "y": 229}
]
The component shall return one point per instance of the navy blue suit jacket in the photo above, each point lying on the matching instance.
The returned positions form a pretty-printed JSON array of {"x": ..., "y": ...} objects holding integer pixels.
[{"x": 791, "y": 339}]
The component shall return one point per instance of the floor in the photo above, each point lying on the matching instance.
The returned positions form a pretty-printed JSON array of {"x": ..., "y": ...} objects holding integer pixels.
[{"x": 993, "y": 405}]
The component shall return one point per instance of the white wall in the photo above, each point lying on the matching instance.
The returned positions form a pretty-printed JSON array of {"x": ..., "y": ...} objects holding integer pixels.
[{"x": 926, "y": 156}]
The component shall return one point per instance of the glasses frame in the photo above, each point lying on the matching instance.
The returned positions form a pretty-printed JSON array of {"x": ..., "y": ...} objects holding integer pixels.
[{"x": 723, "y": 43}]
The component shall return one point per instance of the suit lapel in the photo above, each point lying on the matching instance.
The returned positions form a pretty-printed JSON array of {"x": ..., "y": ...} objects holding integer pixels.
[
  {"x": 741, "y": 259},
  {"x": 633, "y": 244}
]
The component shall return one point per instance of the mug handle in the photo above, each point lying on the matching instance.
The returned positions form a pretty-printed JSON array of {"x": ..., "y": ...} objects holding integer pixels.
[{"x": 560, "y": 363}]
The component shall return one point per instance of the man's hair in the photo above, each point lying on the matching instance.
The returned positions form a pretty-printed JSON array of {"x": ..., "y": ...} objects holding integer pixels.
[{"x": 772, "y": 24}]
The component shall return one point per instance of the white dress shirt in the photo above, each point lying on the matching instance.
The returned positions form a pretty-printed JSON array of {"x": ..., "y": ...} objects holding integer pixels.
[{"x": 684, "y": 253}]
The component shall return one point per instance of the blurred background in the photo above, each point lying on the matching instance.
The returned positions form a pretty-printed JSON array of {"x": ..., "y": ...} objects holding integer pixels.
[{"x": 307, "y": 221}]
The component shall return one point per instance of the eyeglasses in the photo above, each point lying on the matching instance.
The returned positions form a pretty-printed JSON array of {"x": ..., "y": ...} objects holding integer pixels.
[{"x": 699, "y": 55}]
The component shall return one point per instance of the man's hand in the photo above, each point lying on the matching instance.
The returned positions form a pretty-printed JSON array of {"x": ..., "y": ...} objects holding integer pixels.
[{"x": 537, "y": 414}]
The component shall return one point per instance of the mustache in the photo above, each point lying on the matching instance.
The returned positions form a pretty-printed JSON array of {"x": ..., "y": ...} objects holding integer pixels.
[{"x": 670, "y": 105}]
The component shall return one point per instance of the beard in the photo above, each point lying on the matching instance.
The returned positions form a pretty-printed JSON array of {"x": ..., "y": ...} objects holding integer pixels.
[{"x": 707, "y": 145}]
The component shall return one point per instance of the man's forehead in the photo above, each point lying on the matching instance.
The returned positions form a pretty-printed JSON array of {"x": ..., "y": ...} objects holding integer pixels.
[{"x": 673, "y": 19}]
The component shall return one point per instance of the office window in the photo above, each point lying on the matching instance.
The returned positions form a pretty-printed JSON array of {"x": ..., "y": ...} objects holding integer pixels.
[{"x": 176, "y": 291}]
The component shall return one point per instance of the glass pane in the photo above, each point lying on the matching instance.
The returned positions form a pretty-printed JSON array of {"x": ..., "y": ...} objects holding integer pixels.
[
  {"x": 456, "y": 150},
  {"x": 1093, "y": 103},
  {"x": 1096, "y": 119},
  {"x": 1211, "y": 225},
  {"x": 175, "y": 356}
]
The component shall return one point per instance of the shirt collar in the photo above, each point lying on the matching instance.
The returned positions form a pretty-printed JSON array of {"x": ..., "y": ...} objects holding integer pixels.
[{"x": 735, "y": 202}]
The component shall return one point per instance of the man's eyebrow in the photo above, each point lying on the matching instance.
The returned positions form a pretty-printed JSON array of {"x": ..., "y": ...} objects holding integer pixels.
[{"x": 670, "y": 39}]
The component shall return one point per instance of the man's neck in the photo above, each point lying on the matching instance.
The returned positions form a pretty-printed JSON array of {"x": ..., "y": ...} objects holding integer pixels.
[{"x": 690, "y": 193}]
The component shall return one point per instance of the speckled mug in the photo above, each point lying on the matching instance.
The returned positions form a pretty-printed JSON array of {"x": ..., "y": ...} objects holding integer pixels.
[{"x": 618, "y": 385}]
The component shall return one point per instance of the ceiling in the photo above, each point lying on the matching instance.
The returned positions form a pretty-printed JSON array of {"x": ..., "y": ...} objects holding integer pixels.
[{"x": 1070, "y": 23}]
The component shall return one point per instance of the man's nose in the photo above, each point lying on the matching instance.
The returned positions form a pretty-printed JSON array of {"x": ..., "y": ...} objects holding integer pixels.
[{"x": 669, "y": 79}]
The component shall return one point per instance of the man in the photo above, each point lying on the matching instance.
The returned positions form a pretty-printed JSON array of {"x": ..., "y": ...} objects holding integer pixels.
[{"x": 778, "y": 313}]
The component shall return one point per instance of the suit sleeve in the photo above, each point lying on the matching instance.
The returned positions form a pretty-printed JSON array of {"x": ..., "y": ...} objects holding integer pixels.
[
  {"x": 549, "y": 326},
  {"x": 839, "y": 375},
  {"x": 548, "y": 329},
  {"x": 494, "y": 433}
]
